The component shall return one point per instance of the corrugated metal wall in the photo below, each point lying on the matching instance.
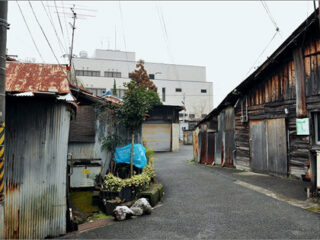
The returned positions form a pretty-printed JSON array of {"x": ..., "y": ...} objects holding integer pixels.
[
  {"x": 195, "y": 145},
  {"x": 211, "y": 147},
  {"x": 36, "y": 160}
]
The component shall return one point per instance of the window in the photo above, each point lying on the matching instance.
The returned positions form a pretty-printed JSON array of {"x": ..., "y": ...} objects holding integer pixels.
[
  {"x": 112, "y": 74},
  {"x": 191, "y": 115},
  {"x": 317, "y": 128},
  {"x": 203, "y": 90},
  {"x": 151, "y": 76},
  {"x": 88, "y": 73},
  {"x": 203, "y": 115},
  {"x": 163, "y": 94},
  {"x": 178, "y": 90}
]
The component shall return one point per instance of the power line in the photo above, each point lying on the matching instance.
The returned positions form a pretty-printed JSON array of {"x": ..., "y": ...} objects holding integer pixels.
[
  {"x": 64, "y": 38},
  {"x": 34, "y": 43},
  {"x": 66, "y": 25},
  {"x": 124, "y": 35},
  {"x": 55, "y": 4},
  {"x": 165, "y": 34},
  {"x": 44, "y": 34},
  {"x": 274, "y": 35},
  {"x": 265, "y": 6},
  {"x": 62, "y": 47}
]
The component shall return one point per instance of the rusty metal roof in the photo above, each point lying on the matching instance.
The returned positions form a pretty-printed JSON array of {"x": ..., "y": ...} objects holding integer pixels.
[
  {"x": 34, "y": 77},
  {"x": 112, "y": 99}
]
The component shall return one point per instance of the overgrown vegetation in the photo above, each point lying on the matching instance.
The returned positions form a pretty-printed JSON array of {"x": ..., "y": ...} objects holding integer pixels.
[
  {"x": 114, "y": 89},
  {"x": 140, "y": 181},
  {"x": 111, "y": 142},
  {"x": 192, "y": 161},
  {"x": 83, "y": 201}
]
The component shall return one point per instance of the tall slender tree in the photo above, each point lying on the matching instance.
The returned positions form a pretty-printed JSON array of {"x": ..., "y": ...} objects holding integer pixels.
[
  {"x": 114, "y": 89},
  {"x": 141, "y": 96}
]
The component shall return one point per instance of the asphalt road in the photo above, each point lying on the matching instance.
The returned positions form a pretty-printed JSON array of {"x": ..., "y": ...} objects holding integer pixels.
[{"x": 200, "y": 203}]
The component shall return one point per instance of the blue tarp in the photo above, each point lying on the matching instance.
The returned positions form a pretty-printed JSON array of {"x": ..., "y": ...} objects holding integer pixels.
[{"x": 139, "y": 155}]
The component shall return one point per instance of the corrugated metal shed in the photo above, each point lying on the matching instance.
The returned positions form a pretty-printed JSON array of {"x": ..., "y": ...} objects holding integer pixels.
[
  {"x": 37, "y": 78},
  {"x": 35, "y": 168},
  {"x": 36, "y": 150}
]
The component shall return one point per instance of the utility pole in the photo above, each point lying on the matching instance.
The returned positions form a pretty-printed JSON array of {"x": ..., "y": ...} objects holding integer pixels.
[
  {"x": 3, "y": 51},
  {"x": 74, "y": 16},
  {"x": 73, "y": 28}
]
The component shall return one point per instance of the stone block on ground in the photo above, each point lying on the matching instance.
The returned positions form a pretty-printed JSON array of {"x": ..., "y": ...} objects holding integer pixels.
[
  {"x": 153, "y": 194},
  {"x": 143, "y": 204},
  {"x": 109, "y": 206}
]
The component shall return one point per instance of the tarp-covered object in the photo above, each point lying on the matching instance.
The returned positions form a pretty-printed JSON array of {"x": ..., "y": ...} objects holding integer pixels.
[{"x": 139, "y": 155}]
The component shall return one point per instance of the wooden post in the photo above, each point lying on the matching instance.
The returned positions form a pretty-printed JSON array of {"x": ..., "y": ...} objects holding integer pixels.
[
  {"x": 131, "y": 154},
  {"x": 301, "y": 107}
]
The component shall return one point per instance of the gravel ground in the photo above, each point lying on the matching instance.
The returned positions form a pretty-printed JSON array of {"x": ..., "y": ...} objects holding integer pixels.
[{"x": 203, "y": 203}]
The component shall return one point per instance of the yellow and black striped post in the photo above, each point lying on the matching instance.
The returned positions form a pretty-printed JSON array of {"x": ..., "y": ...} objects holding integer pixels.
[{"x": 2, "y": 133}]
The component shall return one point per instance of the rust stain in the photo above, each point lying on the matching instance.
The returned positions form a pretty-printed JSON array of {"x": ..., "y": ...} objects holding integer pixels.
[
  {"x": 32, "y": 77},
  {"x": 12, "y": 187},
  {"x": 195, "y": 144}
]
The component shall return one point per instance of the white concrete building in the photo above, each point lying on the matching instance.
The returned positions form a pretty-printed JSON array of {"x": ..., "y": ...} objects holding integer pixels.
[{"x": 177, "y": 84}]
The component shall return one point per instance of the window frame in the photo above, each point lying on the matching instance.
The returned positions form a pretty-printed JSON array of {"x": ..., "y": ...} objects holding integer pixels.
[
  {"x": 88, "y": 73},
  {"x": 112, "y": 74}
]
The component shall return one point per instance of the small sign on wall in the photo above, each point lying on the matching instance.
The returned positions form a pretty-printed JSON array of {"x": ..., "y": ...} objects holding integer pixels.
[{"x": 302, "y": 125}]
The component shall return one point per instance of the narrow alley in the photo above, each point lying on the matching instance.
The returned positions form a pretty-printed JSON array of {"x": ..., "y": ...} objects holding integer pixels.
[{"x": 208, "y": 202}]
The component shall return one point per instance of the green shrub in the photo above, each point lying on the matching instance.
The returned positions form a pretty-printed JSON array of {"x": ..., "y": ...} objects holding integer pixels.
[{"x": 140, "y": 181}]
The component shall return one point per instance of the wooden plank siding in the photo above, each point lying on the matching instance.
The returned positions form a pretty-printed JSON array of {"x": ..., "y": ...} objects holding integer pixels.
[{"x": 274, "y": 91}]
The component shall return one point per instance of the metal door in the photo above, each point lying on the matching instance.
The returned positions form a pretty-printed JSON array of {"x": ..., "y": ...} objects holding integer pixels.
[
  {"x": 204, "y": 142},
  {"x": 228, "y": 148},
  {"x": 211, "y": 147},
  {"x": 277, "y": 146},
  {"x": 259, "y": 160},
  {"x": 219, "y": 148},
  {"x": 157, "y": 136}
]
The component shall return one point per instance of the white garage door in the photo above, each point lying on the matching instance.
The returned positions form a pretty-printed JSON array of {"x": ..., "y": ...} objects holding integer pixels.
[{"x": 157, "y": 136}]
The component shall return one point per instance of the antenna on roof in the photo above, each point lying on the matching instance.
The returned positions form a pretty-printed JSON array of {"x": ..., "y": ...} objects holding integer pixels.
[{"x": 74, "y": 15}]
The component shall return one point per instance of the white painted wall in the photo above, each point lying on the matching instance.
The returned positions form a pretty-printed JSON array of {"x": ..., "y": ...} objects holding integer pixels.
[
  {"x": 191, "y": 79},
  {"x": 114, "y": 54},
  {"x": 175, "y": 137}
]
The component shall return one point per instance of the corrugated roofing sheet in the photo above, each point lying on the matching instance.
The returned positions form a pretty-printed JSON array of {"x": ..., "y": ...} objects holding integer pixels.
[{"x": 34, "y": 77}]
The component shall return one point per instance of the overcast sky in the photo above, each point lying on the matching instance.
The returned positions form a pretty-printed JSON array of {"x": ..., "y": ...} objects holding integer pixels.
[{"x": 226, "y": 37}]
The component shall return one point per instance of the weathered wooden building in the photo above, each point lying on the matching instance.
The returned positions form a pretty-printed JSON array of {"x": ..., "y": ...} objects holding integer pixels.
[{"x": 270, "y": 122}]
